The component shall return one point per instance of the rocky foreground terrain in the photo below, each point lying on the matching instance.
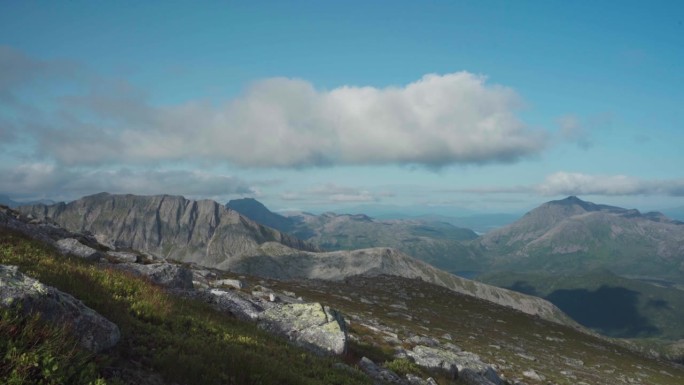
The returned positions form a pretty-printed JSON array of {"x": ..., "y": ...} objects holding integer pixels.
[{"x": 383, "y": 329}]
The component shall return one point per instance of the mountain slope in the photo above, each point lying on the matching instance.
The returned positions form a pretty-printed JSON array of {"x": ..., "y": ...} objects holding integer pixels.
[
  {"x": 168, "y": 226},
  {"x": 281, "y": 262},
  {"x": 572, "y": 235}
]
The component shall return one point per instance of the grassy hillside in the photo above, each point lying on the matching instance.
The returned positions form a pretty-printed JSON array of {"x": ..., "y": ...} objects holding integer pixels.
[
  {"x": 612, "y": 305},
  {"x": 163, "y": 337}
]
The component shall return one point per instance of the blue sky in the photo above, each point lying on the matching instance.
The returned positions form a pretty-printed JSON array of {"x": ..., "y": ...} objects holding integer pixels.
[{"x": 487, "y": 106}]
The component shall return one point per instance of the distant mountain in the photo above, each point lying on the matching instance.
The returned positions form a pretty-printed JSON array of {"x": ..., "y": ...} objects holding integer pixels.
[
  {"x": 203, "y": 231},
  {"x": 209, "y": 234},
  {"x": 438, "y": 243},
  {"x": 572, "y": 235},
  {"x": 386, "y": 211},
  {"x": 675, "y": 213},
  {"x": 480, "y": 223},
  {"x": 7, "y": 201},
  {"x": 256, "y": 211}
]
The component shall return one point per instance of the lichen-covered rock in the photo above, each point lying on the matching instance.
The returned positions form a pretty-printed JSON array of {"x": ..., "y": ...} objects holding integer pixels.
[
  {"x": 465, "y": 366},
  {"x": 72, "y": 246},
  {"x": 164, "y": 274},
  {"x": 310, "y": 325},
  {"x": 29, "y": 296}
]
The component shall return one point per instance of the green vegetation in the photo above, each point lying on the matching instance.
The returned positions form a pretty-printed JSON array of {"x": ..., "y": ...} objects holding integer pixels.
[
  {"x": 403, "y": 366},
  {"x": 178, "y": 339},
  {"x": 34, "y": 352}
]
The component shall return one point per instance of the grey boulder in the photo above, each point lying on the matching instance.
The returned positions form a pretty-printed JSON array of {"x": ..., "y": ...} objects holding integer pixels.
[
  {"x": 93, "y": 331},
  {"x": 124, "y": 256},
  {"x": 72, "y": 246},
  {"x": 310, "y": 325},
  {"x": 237, "y": 304},
  {"x": 465, "y": 366},
  {"x": 163, "y": 274},
  {"x": 234, "y": 283}
]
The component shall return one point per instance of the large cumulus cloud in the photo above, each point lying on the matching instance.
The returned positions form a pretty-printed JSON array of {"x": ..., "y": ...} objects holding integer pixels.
[{"x": 277, "y": 122}]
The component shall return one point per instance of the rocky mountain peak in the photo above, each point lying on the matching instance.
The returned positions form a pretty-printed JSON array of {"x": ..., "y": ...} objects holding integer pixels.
[{"x": 574, "y": 201}]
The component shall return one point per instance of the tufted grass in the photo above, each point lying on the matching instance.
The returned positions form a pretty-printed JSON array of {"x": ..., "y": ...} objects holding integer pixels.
[{"x": 183, "y": 341}]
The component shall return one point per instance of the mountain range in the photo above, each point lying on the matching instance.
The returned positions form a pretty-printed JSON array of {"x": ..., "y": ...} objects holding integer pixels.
[
  {"x": 209, "y": 234},
  {"x": 9, "y": 202},
  {"x": 148, "y": 321},
  {"x": 603, "y": 255}
]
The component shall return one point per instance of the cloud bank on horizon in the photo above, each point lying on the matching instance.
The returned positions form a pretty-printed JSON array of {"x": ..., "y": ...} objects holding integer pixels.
[{"x": 575, "y": 183}]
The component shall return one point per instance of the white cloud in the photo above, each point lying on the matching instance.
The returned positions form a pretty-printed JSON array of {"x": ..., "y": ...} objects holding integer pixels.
[
  {"x": 566, "y": 183},
  {"x": 574, "y": 183},
  {"x": 277, "y": 122},
  {"x": 332, "y": 193}
]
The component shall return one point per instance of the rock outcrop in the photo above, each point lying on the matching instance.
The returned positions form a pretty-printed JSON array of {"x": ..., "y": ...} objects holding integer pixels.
[
  {"x": 29, "y": 296},
  {"x": 308, "y": 324}
]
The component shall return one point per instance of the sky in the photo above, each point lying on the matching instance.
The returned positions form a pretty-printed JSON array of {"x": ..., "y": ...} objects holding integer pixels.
[{"x": 451, "y": 107}]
